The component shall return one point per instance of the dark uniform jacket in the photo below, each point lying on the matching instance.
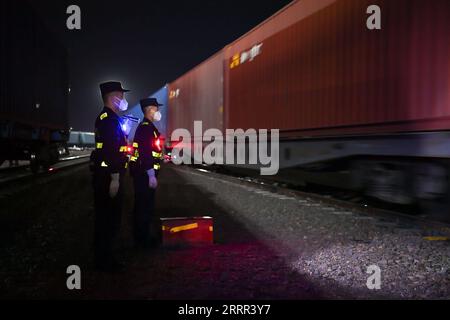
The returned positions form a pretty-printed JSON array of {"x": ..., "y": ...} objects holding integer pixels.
[
  {"x": 110, "y": 155},
  {"x": 147, "y": 149}
]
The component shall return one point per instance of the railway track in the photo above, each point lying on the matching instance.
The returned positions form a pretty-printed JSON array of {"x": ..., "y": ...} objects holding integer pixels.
[
  {"x": 405, "y": 217},
  {"x": 345, "y": 200},
  {"x": 23, "y": 174}
]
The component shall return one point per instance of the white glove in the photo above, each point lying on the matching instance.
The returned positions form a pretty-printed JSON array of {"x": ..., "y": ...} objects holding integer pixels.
[
  {"x": 114, "y": 185},
  {"x": 152, "y": 181}
]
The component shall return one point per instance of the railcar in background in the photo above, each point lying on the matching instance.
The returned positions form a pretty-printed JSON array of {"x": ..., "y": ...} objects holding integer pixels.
[
  {"x": 79, "y": 140},
  {"x": 33, "y": 88}
]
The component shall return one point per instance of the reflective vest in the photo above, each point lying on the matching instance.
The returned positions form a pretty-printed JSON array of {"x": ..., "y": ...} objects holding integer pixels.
[{"x": 148, "y": 148}]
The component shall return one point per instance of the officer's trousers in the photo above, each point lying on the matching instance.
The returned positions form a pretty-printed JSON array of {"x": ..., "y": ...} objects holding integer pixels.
[
  {"x": 144, "y": 207},
  {"x": 108, "y": 214}
]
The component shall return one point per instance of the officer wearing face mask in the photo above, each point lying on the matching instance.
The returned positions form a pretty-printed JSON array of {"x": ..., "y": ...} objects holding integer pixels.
[
  {"x": 109, "y": 163},
  {"x": 144, "y": 167}
]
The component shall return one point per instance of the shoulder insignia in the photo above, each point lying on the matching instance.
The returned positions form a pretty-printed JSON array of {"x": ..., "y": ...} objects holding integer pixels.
[{"x": 103, "y": 116}]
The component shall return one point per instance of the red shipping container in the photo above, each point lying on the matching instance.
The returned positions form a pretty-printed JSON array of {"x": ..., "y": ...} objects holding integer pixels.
[
  {"x": 198, "y": 96},
  {"x": 188, "y": 231},
  {"x": 315, "y": 69}
]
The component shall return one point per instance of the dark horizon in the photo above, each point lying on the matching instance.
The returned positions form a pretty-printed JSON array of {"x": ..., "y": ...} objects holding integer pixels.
[{"x": 150, "y": 45}]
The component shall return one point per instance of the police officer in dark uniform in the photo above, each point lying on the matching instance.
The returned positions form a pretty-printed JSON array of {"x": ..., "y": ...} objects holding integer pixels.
[
  {"x": 108, "y": 163},
  {"x": 144, "y": 166}
]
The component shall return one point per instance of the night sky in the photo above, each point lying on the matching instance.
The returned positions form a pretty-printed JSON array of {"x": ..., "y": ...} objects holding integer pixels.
[{"x": 144, "y": 44}]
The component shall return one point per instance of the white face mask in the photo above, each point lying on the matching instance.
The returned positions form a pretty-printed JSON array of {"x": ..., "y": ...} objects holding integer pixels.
[
  {"x": 122, "y": 105},
  {"x": 157, "y": 116}
]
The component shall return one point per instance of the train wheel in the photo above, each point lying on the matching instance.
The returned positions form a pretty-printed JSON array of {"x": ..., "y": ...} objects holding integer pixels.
[
  {"x": 432, "y": 187},
  {"x": 389, "y": 182}
]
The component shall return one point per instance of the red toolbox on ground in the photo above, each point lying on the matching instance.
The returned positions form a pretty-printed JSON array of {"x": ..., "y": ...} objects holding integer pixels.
[{"x": 187, "y": 231}]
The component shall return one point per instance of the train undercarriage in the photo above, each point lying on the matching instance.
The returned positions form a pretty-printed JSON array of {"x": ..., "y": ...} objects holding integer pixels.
[{"x": 408, "y": 169}]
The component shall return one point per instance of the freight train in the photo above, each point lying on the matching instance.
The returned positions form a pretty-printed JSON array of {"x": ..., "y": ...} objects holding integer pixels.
[
  {"x": 33, "y": 88},
  {"x": 358, "y": 108}
]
